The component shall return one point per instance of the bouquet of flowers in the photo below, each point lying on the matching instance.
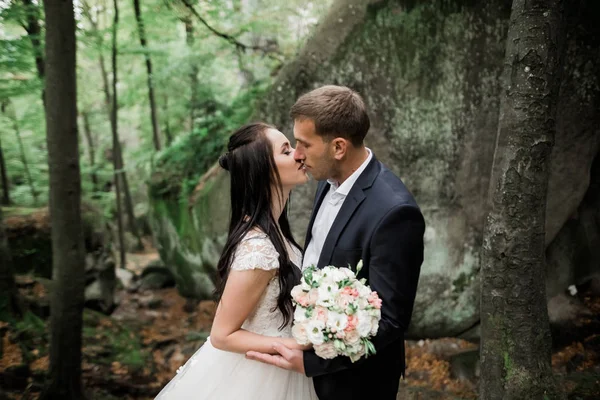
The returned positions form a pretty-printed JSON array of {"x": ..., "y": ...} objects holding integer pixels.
[{"x": 336, "y": 312}]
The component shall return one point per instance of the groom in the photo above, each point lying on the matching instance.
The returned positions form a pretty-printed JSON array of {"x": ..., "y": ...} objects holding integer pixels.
[{"x": 361, "y": 211}]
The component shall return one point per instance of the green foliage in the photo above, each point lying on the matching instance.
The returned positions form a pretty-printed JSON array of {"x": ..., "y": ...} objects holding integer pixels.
[
  {"x": 177, "y": 170},
  {"x": 228, "y": 78}
]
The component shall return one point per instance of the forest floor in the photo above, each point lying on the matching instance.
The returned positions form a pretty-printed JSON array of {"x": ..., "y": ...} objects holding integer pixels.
[{"x": 137, "y": 350}]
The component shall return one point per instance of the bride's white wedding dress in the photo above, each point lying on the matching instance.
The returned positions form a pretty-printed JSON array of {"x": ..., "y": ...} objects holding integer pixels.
[{"x": 220, "y": 375}]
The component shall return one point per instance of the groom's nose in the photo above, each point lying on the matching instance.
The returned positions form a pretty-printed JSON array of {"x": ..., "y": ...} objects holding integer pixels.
[{"x": 299, "y": 155}]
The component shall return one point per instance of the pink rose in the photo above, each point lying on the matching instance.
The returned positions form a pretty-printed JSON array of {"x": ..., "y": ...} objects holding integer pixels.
[
  {"x": 302, "y": 299},
  {"x": 350, "y": 291},
  {"x": 312, "y": 297},
  {"x": 299, "y": 333},
  {"x": 352, "y": 338},
  {"x": 374, "y": 300},
  {"x": 326, "y": 350},
  {"x": 321, "y": 314},
  {"x": 352, "y": 322},
  {"x": 343, "y": 301}
]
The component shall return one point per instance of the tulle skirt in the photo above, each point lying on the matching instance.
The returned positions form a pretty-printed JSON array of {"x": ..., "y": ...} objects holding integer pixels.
[{"x": 220, "y": 375}]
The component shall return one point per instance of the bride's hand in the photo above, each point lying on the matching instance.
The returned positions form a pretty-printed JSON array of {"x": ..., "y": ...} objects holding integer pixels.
[{"x": 291, "y": 343}]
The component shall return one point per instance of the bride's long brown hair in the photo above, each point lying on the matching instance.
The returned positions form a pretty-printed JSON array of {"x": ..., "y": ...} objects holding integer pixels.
[{"x": 253, "y": 174}]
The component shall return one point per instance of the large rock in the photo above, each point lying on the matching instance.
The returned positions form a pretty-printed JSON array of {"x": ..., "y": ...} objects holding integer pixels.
[
  {"x": 430, "y": 74},
  {"x": 29, "y": 237}
]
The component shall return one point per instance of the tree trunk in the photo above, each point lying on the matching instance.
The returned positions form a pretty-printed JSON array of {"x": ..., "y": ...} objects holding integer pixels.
[
  {"x": 118, "y": 169},
  {"x": 117, "y": 151},
  {"x": 516, "y": 342},
  {"x": 68, "y": 263},
  {"x": 5, "y": 188},
  {"x": 15, "y": 122},
  {"x": 90, "y": 142},
  {"x": 153, "y": 116},
  {"x": 189, "y": 37},
  {"x": 9, "y": 296},
  {"x": 34, "y": 31},
  {"x": 168, "y": 133}
]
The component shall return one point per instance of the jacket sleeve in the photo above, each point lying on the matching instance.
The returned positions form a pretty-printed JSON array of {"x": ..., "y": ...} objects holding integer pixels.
[{"x": 396, "y": 255}]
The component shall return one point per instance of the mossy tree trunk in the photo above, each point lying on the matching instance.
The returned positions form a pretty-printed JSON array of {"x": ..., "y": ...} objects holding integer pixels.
[
  {"x": 516, "y": 343},
  {"x": 68, "y": 263}
]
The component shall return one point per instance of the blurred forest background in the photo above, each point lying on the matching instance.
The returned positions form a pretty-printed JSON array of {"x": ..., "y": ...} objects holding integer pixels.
[{"x": 160, "y": 85}]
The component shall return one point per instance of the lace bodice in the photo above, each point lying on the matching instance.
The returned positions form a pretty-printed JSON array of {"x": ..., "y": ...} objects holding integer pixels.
[{"x": 257, "y": 251}]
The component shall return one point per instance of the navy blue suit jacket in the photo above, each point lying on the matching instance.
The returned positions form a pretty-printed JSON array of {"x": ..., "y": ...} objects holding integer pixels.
[{"x": 380, "y": 223}]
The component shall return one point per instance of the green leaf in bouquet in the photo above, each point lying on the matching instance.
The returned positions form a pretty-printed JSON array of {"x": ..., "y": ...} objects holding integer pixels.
[
  {"x": 369, "y": 347},
  {"x": 339, "y": 345}
]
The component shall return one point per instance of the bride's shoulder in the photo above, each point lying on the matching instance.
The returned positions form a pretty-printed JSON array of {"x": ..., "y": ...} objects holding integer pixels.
[{"x": 255, "y": 250}]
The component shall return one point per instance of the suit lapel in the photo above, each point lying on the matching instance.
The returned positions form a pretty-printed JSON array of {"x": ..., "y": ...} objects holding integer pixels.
[
  {"x": 320, "y": 195},
  {"x": 355, "y": 197}
]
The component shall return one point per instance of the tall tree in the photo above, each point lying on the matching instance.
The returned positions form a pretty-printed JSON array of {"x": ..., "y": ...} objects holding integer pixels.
[
  {"x": 189, "y": 38},
  {"x": 117, "y": 150},
  {"x": 13, "y": 117},
  {"x": 4, "y": 176},
  {"x": 91, "y": 151},
  {"x": 9, "y": 295},
  {"x": 516, "y": 343},
  {"x": 34, "y": 32},
  {"x": 117, "y": 165},
  {"x": 143, "y": 42},
  {"x": 67, "y": 296}
]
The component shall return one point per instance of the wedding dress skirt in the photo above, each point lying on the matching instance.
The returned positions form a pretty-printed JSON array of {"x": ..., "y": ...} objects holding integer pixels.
[
  {"x": 213, "y": 374},
  {"x": 220, "y": 375}
]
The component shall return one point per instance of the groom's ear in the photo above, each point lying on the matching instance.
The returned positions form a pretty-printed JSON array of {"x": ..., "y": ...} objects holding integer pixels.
[{"x": 340, "y": 146}]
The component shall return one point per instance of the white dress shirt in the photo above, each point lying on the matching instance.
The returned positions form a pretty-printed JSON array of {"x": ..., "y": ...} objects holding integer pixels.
[{"x": 330, "y": 207}]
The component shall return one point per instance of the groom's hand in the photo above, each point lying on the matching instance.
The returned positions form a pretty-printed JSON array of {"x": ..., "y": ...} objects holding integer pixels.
[{"x": 286, "y": 359}]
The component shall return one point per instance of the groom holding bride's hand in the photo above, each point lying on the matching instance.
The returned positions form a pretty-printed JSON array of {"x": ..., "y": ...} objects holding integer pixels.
[{"x": 361, "y": 211}]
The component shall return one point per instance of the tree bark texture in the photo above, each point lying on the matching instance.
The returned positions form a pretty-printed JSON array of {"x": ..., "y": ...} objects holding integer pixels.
[
  {"x": 9, "y": 304},
  {"x": 189, "y": 37},
  {"x": 118, "y": 169},
  {"x": 90, "y": 142},
  {"x": 4, "y": 175},
  {"x": 516, "y": 343},
  {"x": 143, "y": 42},
  {"x": 68, "y": 264}
]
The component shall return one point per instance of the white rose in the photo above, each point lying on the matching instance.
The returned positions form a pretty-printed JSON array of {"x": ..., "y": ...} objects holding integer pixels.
[
  {"x": 300, "y": 315},
  {"x": 326, "y": 350},
  {"x": 374, "y": 326},
  {"x": 337, "y": 274},
  {"x": 296, "y": 291},
  {"x": 364, "y": 324},
  {"x": 314, "y": 331},
  {"x": 352, "y": 338},
  {"x": 299, "y": 333},
  {"x": 337, "y": 321},
  {"x": 363, "y": 291},
  {"x": 347, "y": 273}
]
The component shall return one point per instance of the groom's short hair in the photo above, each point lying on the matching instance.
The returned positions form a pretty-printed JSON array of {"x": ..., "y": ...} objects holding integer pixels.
[{"x": 337, "y": 111}]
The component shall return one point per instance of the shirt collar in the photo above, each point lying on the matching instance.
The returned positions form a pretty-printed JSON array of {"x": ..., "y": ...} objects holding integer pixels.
[{"x": 345, "y": 187}]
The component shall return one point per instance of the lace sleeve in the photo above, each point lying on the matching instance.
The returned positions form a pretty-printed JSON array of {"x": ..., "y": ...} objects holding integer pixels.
[{"x": 255, "y": 251}]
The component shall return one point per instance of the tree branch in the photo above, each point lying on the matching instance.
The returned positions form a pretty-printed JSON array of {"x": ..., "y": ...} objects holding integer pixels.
[{"x": 231, "y": 39}]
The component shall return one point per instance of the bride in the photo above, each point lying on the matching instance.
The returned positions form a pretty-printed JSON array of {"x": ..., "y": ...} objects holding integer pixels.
[{"x": 258, "y": 268}]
